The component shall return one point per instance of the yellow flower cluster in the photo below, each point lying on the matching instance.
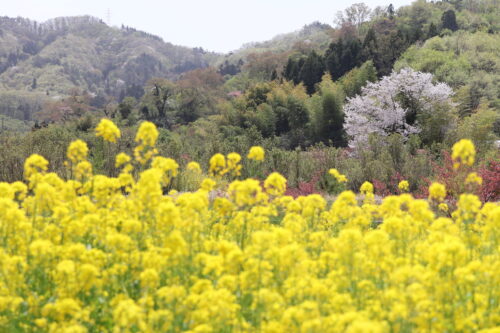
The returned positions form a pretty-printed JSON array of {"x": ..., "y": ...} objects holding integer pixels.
[
  {"x": 404, "y": 185},
  {"x": 219, "y": 165},
  {"x": 146, "y": 138},
  {"x": 256, "y": 153},
  {"x": 108, "y": 130},
  {"x": 474, "y": 178},
  {"x": 194, "y": 166},
  {"x": 233, "y": 164},
  {"x": 463, "y": 153},
  {"x": 437, "y": 192},
  {"x": 91, "y": 256},
  {"x": 338, "y": 176},
  {"x": 367, "y": 189}
]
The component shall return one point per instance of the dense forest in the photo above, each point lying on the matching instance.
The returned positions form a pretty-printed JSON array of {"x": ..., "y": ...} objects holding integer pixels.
[{"x": 379, "y": 94}]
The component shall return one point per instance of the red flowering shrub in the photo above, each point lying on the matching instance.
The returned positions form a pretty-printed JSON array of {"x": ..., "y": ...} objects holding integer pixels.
[
  {"x": 384, "y": 189},
  {"x": 304, "y": 188},
  {"x": 490, "y": 190}
]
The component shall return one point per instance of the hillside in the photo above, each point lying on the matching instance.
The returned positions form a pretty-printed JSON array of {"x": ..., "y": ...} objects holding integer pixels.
[{"x": 62, "y": 54}]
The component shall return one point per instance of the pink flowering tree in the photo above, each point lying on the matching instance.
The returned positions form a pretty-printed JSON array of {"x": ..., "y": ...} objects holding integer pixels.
[{"x": 393, "y": 104}]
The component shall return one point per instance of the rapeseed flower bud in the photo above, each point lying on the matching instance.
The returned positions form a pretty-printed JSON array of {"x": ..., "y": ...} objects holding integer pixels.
[
  {"x": 275, "y": 184},
  {"x": 194, "y": 166},
  {"x": 83, "y": 170},
  {"x": 338, "y": 176},
  {"x": 404, "y": 185},
  {"x": 149, "y": 278},
  {"x": 366, "y": 188},
  {"x": 463, "y": 153},
  {"x": 147, "y": 134},
  {"x": 217, "y": 165},
  {"x": 34, "y": 165},
  {"x": 443, "y": 207},
  {"x": 247, "y": 192},
  {"x": 77, "y": 151},
  {"x": 474, "y": 178},
  {"x": 108, "y": 130},
  {"x": 437, "y": 192},
  {"x": 128, "y": 314},
  {"x": 208, "y": 184},
  {"x": 256, "y": 153},
  {"x": 121, "y": 159},
  {"x": 233, "y": 166}
]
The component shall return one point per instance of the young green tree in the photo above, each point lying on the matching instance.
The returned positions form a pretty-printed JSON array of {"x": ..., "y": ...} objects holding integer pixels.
[
  {"x": 328, "y": 116},
  {"x": 354, "y": 80}
]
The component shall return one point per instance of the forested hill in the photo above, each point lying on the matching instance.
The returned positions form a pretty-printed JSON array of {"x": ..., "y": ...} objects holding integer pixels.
[
  {"x": 65, "y": 53},
  {"x": 68, "y": 67}
]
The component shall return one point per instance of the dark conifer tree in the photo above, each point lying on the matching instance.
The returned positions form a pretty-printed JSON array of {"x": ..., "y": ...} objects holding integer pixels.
[
  {"x": 390, "y": 11},
  {"x": 332, "y": 58},
  {"x": 342, "y": 56},
  {"x": 312, "y": 71},
  {"x": 449, "y": 20},
  {"x": 432, "y": 31}
]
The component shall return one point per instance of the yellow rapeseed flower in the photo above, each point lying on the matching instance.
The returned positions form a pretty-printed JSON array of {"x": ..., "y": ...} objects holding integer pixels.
[
  {"x": 35, "y": 164},
  {"x": 437, "y": 192},
  {"x": 474, "y": 178},
  {"x": 338, "y": 176},
  {"x": 366, "y": 188},
  {"x": 77, "y": 151},
  {"x": 404, "y": 185},
  {"x": 256, "y": 153},
  {"x": 463, "y": 153},
  {"x": 233, "y": 164},
  {"x": 108, "y": 130},
  {"x": 194, "y": 166},
  {"x": 128, "y": 254},
  {"x": 147, "y": 134},
  {"x": 275, "y": 184},
  {"x": 217, "y": 165}
]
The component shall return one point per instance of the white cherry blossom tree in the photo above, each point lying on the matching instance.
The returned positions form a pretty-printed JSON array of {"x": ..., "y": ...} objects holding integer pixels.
[{"x": 392, "y": 104}]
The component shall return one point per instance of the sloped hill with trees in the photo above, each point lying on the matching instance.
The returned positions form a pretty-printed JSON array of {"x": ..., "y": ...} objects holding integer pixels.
[{"x": 55, "y": 57}]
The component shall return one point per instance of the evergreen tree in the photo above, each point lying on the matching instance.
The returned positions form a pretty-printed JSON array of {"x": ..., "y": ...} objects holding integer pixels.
[
  {"x": 274, "y": 75},
  {"x": 449, "y": 20},
  {"x": 352, "y": 56},
  {"x": 312, "y": 71},
  {"x": 432, "y": 31},
  {"x": 291, "y": 70},
  {"x": 390, "y": 11},
  {"x": 332, "y": 58},
  {"x": 126, "y": 106},
  {"x": 343, "y": 56}
]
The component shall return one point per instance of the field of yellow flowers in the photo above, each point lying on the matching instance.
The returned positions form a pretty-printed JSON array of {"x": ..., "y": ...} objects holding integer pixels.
[{"x": 100, "y": 254}]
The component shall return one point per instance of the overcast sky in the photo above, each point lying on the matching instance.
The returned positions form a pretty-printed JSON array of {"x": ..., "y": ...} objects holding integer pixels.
[{"x": 215, "y": 25}]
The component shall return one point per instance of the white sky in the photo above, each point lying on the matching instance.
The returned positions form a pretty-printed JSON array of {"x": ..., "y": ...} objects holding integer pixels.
[{"x": 215, "y": 25}]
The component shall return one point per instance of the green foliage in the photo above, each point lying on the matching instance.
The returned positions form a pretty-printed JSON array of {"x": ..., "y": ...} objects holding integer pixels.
[
  {"x": 449, "y": 20},
  {"x": 328, "y": 117},
  {"x": 342, "y": 56},
  {"x": 468, "y": 62},
  {"x": 479, "y": 127},
  {"x": 357, "y": 78},
  {"x": 52, "y": 59}
]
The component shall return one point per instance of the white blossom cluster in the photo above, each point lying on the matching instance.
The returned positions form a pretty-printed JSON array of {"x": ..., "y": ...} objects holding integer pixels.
[{"x": 378, "y": 109}]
